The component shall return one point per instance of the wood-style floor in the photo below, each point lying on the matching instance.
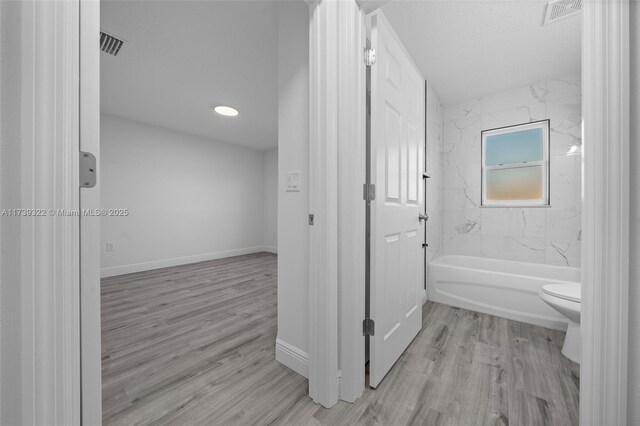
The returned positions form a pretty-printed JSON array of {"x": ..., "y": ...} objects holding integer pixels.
[{"x": 194, "y": 344}]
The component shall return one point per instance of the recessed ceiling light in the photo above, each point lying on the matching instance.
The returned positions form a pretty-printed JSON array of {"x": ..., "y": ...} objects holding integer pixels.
[{"x": 225, "y": 110}]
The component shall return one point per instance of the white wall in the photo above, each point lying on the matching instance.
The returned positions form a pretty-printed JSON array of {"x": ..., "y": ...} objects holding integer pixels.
[
  {"x": 270, "y": 192},
  {"x": 543, "y": 235},
  {"x": 434, "y": 170},
  {"x": 190, "y": 198},
  {"x": 10, "y": 278},
  {"x": 634, "y": 257},
  {"x": 293, "y": 207}
]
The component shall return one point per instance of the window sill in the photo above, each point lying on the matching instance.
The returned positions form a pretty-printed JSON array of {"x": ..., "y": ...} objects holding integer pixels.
[{"x": 515, "y": 207}]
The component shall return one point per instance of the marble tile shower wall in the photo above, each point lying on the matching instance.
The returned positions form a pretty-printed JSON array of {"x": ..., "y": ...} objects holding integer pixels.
[
  {"x": 543, "y": 235},
  {"x": 434, "y": 169}
]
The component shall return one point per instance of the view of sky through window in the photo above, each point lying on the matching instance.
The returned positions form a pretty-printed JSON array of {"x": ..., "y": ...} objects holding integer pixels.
[
  {"x": 515, "y": 147},
  {"x": 515, "y": 165}
]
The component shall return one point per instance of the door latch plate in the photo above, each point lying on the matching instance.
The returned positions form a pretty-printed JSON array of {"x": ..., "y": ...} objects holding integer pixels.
[{"x": 87, "y": 170}]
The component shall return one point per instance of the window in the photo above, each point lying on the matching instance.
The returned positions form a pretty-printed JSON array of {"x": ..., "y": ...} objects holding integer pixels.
[{"x": 515, "y": 165}]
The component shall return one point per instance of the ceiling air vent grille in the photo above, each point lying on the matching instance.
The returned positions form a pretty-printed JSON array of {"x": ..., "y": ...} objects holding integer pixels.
[
  {"x": 560, "y": 9},
  {"x": 110, "y": 44}
]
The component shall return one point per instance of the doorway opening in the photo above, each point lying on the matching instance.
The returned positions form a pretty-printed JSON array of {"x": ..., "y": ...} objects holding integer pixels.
[
  {"x": 189, "y": 164},
  {"x": 484, "y": 268}
]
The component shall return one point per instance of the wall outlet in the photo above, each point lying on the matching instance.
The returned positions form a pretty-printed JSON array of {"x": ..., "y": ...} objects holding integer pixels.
[{"x": 110, "y": 246}]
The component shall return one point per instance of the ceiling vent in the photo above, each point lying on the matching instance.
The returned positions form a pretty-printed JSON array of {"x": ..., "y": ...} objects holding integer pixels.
[
  {"x": 560, "y": 9},
  {"x": 110, "y": 44}
]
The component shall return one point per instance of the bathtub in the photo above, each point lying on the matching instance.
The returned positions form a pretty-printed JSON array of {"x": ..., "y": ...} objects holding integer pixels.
[{"x": 504, "y": 288}]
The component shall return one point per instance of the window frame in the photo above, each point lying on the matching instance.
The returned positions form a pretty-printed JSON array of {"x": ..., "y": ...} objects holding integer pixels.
[{"x": 545, "y": 201}]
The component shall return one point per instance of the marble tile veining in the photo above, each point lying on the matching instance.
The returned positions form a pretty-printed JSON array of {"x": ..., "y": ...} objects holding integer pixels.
[
  {"x": 546, "y": 235},
  {"x": 435, "y": 159}
]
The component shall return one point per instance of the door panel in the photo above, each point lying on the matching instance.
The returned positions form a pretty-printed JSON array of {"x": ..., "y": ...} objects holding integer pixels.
[
  {"x": 392, "y": 155},
  {"x": 397, "y": 146},
  {"x": 413, "y": 164},
  {"x": 392, "y": 313}
]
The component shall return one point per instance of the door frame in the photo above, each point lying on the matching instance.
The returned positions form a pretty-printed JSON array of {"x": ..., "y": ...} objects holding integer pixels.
[
  {"x": 337, "y": 175},
  {"x": 605, "y": 258},
  {"x": 605, "y": 217},
  {"x": 605, "y": 212},
  {"x": 89, "y": 262},
  {"x": 44, "y": 260}
]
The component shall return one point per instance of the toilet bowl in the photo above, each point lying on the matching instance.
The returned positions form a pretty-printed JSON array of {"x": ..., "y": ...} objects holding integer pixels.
[{"x": 565, "y": 298}]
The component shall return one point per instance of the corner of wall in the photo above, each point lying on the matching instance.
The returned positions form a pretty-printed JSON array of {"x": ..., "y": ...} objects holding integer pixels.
[
  {"x": 292, "y": 357},
  {"x": 435, "y": 163},
  {"x": 293, "y": 154},
  {"x": 211, "y": 194},
  {"x": 441, "y": 140}
]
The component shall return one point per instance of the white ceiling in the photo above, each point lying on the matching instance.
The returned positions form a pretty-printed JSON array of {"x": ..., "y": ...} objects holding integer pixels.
[
  {"x": 468, "y": 49},
  {"x": 182, "y": 56}
]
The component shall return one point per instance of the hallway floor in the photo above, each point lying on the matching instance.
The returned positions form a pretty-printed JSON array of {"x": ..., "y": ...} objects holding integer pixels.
[{"x": 194, "y": 344}]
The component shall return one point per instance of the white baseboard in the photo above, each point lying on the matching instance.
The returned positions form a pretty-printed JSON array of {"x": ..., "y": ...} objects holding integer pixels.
[
  {"x": 292, "y": 357},
  {"x": 165, "y": 263},
  {"x": 270, "y": 249}
]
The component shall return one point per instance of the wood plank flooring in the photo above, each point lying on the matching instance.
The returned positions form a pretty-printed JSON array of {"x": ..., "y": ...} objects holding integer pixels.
[{"x": 194, "y": 344}]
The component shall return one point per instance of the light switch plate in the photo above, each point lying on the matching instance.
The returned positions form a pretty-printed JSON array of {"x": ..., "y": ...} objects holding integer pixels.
[{"x": 293, "y": 182}]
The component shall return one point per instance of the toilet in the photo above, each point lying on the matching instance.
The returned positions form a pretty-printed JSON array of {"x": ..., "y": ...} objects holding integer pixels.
[{"x": 565, "y": 298}]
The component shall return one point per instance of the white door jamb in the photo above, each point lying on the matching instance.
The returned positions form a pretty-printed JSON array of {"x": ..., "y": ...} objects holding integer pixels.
[
  {"x": 337, "y": 173},
  {"x": 605, "y": 214},
  {"x": 90, "y": 225},
  {"x": 323, "y": 200},
  {"x": 351, "y": 204},
  {"x": 49, "y": 247}
]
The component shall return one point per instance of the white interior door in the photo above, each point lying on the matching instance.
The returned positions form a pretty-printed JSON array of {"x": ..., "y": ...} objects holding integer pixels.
[{"x": 397, "y": 143}]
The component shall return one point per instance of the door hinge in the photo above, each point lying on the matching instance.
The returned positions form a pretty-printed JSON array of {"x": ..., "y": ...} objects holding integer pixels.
[
  {"x": 368, "y": 327},
  {"x": 87, "y": 170},
  {"x": 368, "y": 192},
  {"x": 311, "y": 217},
  {"x": 369, "y": 57}
]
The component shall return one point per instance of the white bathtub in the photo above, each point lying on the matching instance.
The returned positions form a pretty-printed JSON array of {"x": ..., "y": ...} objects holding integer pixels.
[{"x": 504, "y": 288}]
